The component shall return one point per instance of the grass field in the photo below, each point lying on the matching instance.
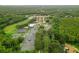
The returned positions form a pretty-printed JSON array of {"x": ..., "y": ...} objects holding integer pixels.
[{"x": 12, "y": 28}]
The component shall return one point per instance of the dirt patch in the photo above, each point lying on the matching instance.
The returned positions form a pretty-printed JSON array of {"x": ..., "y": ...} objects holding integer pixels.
[{"x": 70, "y": 49}]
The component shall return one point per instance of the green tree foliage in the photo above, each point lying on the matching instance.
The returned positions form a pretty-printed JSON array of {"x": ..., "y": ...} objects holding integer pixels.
[
  {"x": 7, "y": 44},
  {"x": 55, "y": 47},
  {"x": 20, "y": 39},
  {"x": 46, "y": 42},
  {"x": 38, "y": 41},
  {"x": 56, "y": 22}
]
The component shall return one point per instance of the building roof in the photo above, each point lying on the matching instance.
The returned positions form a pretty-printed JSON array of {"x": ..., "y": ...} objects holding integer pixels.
[{"x": 31, "y": 25}]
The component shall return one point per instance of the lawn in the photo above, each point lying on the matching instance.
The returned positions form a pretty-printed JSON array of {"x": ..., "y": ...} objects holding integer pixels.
[
  {"x": 1, "y": 19},
  {"x": 10, "y": 29}
]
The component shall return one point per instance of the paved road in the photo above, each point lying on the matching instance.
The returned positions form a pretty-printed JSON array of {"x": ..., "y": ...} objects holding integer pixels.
[{"x": 28, "y": 43}]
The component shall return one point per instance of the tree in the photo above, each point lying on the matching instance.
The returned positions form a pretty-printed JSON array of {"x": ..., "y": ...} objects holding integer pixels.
[
  {"x": 2, "y": 49},
  {"x": 20, "y": 39},
  {"x": 56, "y": 22},
  {"x": 55, "y": 47},
  {"x": 46, "y": 41},
  {"x": 38, "y": 41},
  {"x": 50, "y": 33}
]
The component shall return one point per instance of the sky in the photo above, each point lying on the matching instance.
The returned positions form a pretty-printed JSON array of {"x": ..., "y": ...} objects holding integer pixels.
[{"x": 39, "y": 2}]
